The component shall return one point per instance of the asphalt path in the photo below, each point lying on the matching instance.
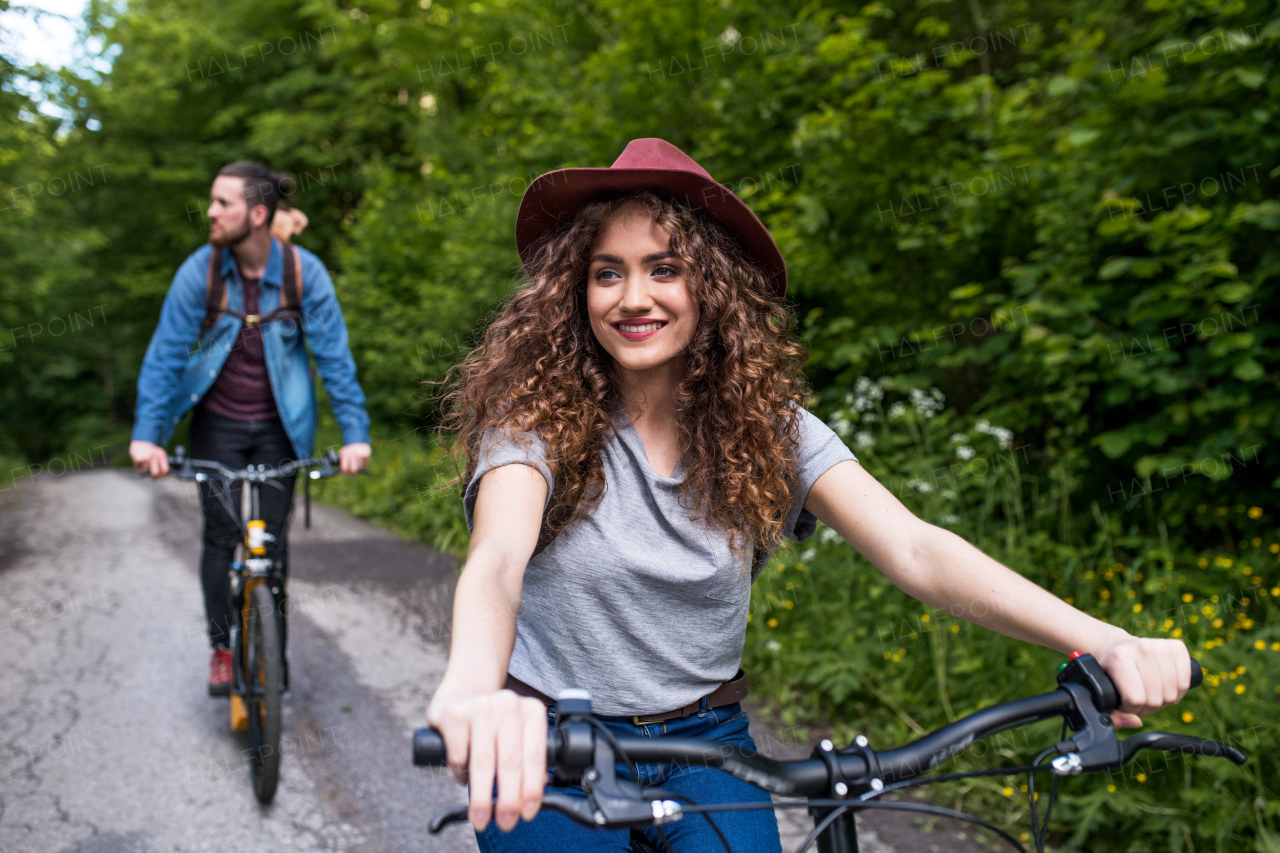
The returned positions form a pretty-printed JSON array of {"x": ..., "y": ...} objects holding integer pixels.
[{"x": 109, "y": 743}]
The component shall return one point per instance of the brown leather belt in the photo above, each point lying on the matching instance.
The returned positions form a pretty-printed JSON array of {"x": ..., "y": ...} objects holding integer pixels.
[{"x": 733, "y": 690}]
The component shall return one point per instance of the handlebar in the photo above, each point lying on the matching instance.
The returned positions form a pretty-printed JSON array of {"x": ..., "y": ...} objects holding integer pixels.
[
  {"x": 185, "y": 468},
  {"x": 1085, "y": 698}
]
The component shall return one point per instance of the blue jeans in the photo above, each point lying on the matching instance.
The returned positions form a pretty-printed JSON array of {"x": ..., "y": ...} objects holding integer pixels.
[{"x": 747, "y": 831}]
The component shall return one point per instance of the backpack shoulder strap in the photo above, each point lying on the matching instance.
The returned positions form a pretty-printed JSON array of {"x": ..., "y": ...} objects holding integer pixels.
[
  {"x": 215, "y": 291},
  {"x": 291, "y": 291}
]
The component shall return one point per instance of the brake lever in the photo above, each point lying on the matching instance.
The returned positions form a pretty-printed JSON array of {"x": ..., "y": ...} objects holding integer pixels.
[
  {"x": 1169, "y": 742},
  {"x": 571, "y": 807}
]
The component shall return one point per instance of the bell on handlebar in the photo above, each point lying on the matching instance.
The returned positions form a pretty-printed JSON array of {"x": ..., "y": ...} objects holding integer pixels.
[
  {"x": 573, "y": 700},
  {"x": 180, "y": 454}
]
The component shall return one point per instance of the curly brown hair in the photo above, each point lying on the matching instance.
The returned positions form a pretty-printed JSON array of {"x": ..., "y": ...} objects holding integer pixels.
[{"x": 539, "y": 368}]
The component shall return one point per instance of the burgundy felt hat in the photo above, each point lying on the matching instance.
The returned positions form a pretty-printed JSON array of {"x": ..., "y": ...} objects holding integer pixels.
[{"x": 646, "y": 164}]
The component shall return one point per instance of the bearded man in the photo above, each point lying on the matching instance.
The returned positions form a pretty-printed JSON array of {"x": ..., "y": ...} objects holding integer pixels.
[{"x": 239, "y": 357}]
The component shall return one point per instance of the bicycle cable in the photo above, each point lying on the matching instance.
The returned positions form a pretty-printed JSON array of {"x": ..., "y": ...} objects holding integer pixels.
[
  {"x": 658, "y": 793},
  {"x": 923, "y": 808},
  {"x": 1041, "y": 836},
  {"x": 617, "y": 748},
  {"x": 662, "y": 836}
]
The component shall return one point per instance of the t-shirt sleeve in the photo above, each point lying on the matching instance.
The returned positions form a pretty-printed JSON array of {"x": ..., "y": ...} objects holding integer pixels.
[
  {"x": 506, "y": 448},
  {"x": 820, "y": 449}
]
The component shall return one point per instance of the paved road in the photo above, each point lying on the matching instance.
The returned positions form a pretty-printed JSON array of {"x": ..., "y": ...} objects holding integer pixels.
[{"x": 108, "y": 743}]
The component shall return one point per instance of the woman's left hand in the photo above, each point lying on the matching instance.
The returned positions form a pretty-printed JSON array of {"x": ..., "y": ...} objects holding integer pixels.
[{"x": 1149, "y": 673}]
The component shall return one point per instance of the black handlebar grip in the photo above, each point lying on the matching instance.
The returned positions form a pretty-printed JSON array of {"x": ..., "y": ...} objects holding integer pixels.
[{"x": 428, "y": 749}]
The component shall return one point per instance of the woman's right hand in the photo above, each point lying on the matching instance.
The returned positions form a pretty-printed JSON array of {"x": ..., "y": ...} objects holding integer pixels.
[{"x": 497, "y": 734}]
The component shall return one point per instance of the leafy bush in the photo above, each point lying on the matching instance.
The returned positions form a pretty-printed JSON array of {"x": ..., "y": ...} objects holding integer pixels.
[{"x": 831, "y": 642}]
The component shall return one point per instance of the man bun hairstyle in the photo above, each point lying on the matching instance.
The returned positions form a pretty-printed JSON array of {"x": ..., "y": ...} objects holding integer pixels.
[{"x": 261, "y": 185}]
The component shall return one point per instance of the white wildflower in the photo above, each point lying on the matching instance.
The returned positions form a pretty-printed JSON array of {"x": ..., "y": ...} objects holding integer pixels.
[
  {"x": 951, "y": 518},
  {"x": 828, "y": 536},
  {"x": 808, "y": 555},
  {"x": 948, "y": 495},
  {"x": 897, "y": 410},
  {"x": 865, "y": 394},
  {"x": 864, "y": 439},
  {"x": 773, "y": 646},
  {"x": 964, "y": 451},
  {"x": 840, "y": 426},
  {"x": 920, "y": 486},
  {"x": 958, "y": 438},
  {"x": 926, "y": 404},
  {"x": 1003, "y": 437}
]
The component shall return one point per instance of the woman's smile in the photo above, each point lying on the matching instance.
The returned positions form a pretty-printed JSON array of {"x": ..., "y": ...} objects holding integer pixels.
[{"x": 639, "y": 330}]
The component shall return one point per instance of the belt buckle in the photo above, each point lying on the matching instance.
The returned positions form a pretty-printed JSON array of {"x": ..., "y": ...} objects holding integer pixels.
[
  {"x": 636, "y": 721},
  {"x": 252, "y": 319}
]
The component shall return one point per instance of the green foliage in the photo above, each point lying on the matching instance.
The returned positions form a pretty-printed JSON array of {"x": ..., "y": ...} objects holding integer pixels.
[
  {"x": 1061, "y": 216},
  {"x": 831, "y": 641}
]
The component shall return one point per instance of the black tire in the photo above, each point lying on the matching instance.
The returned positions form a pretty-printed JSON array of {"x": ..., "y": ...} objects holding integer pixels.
[{"x": 263, "y": 678}]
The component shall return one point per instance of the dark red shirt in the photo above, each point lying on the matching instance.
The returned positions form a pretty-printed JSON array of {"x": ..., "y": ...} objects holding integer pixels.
[{"x": 242, "y": 390}]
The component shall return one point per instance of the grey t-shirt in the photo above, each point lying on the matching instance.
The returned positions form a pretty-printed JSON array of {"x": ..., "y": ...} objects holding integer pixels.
[{"x": 637, "y": 602}]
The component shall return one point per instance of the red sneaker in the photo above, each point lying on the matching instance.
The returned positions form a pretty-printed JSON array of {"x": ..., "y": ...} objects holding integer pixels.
[{"x": 220, "y": 673}]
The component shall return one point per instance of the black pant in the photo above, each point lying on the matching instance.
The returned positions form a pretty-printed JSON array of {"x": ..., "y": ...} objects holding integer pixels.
[{"x": 237, "y": 444}]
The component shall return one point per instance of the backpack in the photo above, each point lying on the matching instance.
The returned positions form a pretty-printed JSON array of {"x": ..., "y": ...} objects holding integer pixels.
[{"x": 215, "y": 292}]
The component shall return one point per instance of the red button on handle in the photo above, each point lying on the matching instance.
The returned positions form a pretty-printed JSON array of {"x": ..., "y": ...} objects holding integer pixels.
[{"x": 1075, "y": 655}]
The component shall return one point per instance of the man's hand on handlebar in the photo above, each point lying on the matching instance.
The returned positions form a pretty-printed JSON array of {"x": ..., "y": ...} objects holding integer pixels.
[
  {"x": 149, "y": 458},
  {"x": 352, "y": 457},
  {"x": 1149, "y": 673},
  {"x": 490, "y": 735}
]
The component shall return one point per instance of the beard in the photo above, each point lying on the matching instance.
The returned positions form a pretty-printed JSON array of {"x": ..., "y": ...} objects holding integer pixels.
[{"x": 233, "y": 237}]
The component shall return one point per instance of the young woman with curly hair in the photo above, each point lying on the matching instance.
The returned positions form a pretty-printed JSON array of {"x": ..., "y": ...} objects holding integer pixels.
[{"x": 636, "y": 446}]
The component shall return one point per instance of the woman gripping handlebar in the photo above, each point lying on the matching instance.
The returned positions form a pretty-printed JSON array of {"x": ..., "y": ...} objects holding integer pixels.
[{"x": 636, "y": 447}]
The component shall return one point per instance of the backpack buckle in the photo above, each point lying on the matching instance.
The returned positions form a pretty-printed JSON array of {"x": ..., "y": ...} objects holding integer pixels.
[{"x": 251, "y": 319}]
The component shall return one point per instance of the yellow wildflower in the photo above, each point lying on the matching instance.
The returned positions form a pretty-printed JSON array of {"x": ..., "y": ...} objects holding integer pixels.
[
  {"x": 1187, "y": 716},
  {"x": 1255, "y": 512},
  {"x": 1137, "y": 608},
  {"x": 772, "y": 623},
  {"x": 1239, "y": 689}
]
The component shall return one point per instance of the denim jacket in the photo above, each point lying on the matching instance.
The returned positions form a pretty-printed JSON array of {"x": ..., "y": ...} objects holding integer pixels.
[{"x": 180, "y": 365}]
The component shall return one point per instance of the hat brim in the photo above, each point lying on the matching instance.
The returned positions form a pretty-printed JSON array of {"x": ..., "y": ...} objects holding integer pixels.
[{"x": 552, "y": 199}]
